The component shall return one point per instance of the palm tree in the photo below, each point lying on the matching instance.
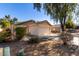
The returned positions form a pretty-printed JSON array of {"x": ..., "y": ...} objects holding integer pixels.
[
  {"x": 7, "y": 17},
  {"x": 5, "y": 24},
  {"x": 13, "y": 21}
]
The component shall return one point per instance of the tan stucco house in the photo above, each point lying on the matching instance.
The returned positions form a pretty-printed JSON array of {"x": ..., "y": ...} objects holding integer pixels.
[{"x": 40, "y": 28}]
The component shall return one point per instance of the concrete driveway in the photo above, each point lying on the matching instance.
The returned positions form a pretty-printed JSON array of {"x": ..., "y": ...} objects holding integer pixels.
[{"x": 50, "y": 36}]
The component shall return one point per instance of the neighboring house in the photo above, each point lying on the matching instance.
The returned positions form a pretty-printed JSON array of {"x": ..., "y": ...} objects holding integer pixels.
[
  {"x": 56, "y": 28},
  {"x": 41, "y": 28}
]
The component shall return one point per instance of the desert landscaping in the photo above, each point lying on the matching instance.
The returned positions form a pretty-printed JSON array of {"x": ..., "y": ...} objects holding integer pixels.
[{"x": 39, "y": 29}]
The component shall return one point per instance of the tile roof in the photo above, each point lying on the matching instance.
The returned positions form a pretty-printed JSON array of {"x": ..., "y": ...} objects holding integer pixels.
[{"x": 38, "y": 22}]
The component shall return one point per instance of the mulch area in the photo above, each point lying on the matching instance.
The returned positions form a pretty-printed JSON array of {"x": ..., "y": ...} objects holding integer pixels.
[{"x": 45, "y": 48}]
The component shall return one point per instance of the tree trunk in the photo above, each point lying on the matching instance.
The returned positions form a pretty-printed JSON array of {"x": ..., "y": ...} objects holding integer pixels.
[
  {"x": 12, "y": 36},
  {"x": 64, "y": 18},
  {"x": 62, "y": 26}
]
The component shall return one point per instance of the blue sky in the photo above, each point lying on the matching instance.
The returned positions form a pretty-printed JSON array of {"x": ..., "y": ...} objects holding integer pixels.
[{"x": 23, "y": 12}]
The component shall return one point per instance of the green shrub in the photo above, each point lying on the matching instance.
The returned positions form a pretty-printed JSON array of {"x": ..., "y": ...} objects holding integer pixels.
[
  {"x": 20, "y": 32},
  {"x": 1, "y": 38},
  {"x": 5, "y": 35},
  {"x": 34, "y": 40}
]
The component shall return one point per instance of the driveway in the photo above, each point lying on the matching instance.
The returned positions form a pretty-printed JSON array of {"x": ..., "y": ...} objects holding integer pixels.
[{"x": 50, "y": 36}]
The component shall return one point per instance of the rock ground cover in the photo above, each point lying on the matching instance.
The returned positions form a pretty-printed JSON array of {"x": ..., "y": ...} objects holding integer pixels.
[{"x": 45, "y": 48}]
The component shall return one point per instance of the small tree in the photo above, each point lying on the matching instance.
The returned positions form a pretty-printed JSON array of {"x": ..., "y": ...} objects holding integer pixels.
[{"x": 69, "y": 23}]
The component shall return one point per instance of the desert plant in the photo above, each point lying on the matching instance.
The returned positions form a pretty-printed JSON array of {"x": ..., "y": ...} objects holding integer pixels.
[{"x": 20, "y": 32}]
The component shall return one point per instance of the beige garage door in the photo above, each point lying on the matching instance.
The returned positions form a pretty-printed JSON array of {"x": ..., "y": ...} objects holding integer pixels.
[{"x": 43, "y": 31}]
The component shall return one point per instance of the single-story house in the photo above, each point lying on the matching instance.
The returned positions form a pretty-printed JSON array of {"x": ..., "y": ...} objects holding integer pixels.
[{"x": 40, "y": 28}]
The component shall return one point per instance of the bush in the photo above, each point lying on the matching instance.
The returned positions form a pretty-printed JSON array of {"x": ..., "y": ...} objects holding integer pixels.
[
  {"x": 1, "y": 38},
  {"x": 5, "y": 35},
  {"x": 20, "y": 32},
  {"x": 34, "y": 40}
]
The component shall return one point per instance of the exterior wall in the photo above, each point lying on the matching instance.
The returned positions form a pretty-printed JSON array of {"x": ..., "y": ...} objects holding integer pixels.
[
  {"x": 40, "y": 29},
  {"x": 33, "y": 30},
  {"x": 43, "y": 31}
]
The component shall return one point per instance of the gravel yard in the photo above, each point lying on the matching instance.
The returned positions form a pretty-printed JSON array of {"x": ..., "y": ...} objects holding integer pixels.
[{"x": 45, "y": 48}]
